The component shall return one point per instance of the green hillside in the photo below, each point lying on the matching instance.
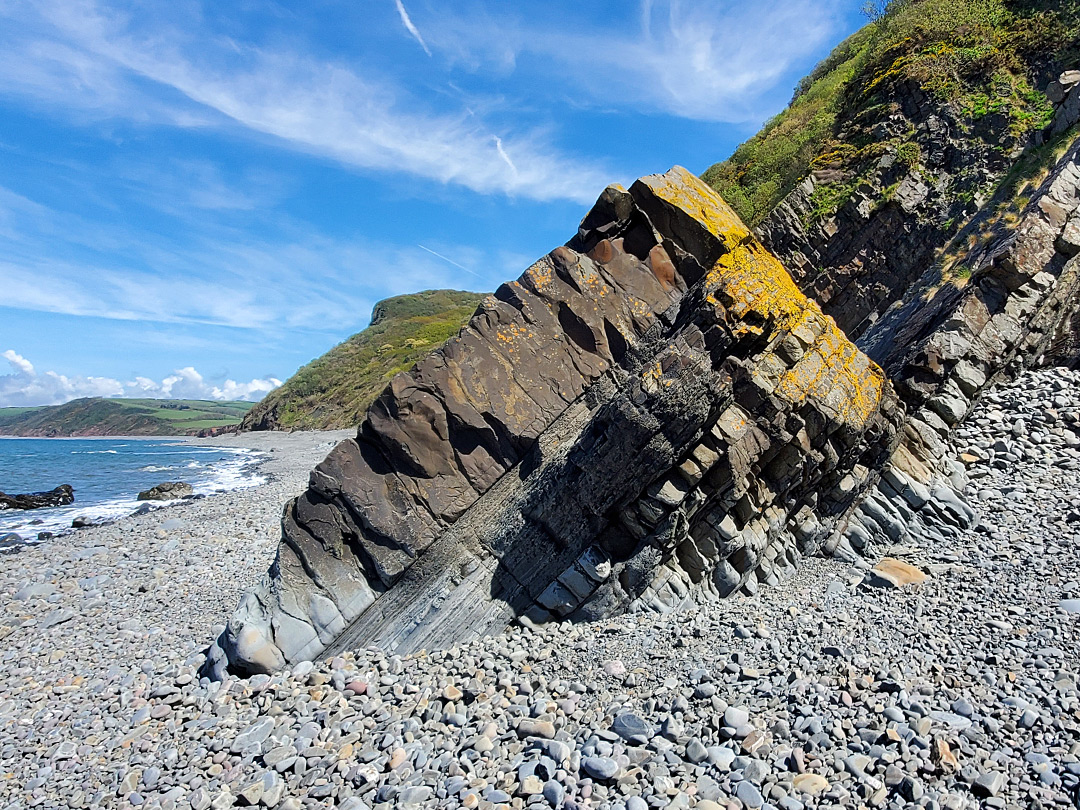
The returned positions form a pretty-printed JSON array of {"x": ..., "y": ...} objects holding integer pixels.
[
  {"x": 121, "y": 417},
  {"x": 983, "y": 57},
  {"x": 335, "y": 390}
]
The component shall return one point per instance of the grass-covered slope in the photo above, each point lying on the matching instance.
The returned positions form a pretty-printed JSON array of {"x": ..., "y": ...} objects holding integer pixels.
[
  {"x": 982, "y": 57},
  {"x": 335, "y": 390},
  {"x": 121, "y": 417}
]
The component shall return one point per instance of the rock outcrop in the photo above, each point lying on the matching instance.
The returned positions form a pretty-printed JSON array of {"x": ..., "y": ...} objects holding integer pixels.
[
  {"x": 654, "y": 413},
  {"x": 61, "y": 496},
  {"x": 948, "y": 343},
  {"x": 906, "y": 205},
  {"x": 652, "y": 410},
  {"x": 166, "y": 491}
]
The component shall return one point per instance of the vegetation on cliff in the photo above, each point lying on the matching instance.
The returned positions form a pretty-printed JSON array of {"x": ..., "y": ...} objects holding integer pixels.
[
  {"x": 334, "y": 391},
  {"x": 982, "y": 58},
  {"x": 121, "y": 417}
]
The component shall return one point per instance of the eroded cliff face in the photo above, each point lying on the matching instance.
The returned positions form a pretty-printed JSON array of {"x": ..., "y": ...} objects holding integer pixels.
[
  {"x": 946, "y": 343},
  {"x": 652, "y": 411},
  {"x": 900, "y": 209}
]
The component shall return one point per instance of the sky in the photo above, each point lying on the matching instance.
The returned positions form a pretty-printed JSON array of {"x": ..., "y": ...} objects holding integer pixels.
[{"x": 198, "y": 198}]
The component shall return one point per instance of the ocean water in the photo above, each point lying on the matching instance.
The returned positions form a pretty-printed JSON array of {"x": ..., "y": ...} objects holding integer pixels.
[{"x": 107, "y": 475}]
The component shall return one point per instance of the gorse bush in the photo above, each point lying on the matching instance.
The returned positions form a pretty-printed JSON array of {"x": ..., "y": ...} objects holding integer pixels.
[{"x": 981, "y": 57}]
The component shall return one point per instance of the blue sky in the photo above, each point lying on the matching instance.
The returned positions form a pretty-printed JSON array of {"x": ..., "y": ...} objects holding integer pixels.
[{"x": 198, "y": 198}]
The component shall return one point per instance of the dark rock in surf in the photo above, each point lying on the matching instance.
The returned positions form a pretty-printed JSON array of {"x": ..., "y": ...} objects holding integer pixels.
[
  {"x": 61, "y": 496},
  {"x": 170, "y": 490}
]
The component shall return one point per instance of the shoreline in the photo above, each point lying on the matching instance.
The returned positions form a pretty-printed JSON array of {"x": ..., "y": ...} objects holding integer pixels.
[
  {"x": 821, "y": 691},
  {"x": 259, "y": 467}
]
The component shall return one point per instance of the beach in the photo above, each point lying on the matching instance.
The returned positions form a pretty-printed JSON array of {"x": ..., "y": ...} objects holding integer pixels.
[
  {"x": 144, "y": 588},
  {"x": 824, "y": 691}
]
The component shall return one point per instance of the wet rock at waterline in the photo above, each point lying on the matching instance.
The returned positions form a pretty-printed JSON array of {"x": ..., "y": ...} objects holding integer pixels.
[{"x": 63, "y": 495}]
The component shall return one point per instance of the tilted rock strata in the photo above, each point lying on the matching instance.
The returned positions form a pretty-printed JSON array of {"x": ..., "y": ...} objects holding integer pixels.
[
  {"x": 861, "y": 259},
  {"x": 652, "y": 409},
  {"x": 944, "y": 350}
]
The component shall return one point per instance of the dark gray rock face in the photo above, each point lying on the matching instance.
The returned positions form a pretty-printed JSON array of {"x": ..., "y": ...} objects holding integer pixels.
[
  {"x": 61, "y": 496},
  {"x": 651, "y": 411},
  {"x": 166, "y": 491},
  {"x": 863, "y": 258},
  {"x": 945, "y": 344}
]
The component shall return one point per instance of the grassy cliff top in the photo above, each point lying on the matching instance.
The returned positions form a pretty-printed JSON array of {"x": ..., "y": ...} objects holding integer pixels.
[
  {"x": 334, "y": 391},
  {"x": 982, "y": 57}
]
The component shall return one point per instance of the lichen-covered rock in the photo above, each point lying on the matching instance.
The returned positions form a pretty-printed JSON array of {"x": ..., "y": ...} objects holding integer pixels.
[{"x": 650, "y": 413}]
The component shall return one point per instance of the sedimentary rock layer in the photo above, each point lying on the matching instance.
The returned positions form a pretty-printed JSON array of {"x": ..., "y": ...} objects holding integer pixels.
[
  {"x": 653, "y": 408},
  {"x": 947, "y": 344}
]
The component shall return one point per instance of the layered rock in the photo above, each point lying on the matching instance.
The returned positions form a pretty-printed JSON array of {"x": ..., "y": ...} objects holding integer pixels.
[
  {"x": 939, "y": 282},
  {"x": 655, "y": 412},
  {"x": 907, "y": 204},
  {"x": 946, "y": 344},
  {"x": 652, "y": 410}
]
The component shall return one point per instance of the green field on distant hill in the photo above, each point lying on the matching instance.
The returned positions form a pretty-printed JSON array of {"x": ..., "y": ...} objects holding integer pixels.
[{"x": 121, "y": 417}]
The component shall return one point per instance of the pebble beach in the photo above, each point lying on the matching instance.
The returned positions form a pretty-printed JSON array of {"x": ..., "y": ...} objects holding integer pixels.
[{"x": 828, "y": 690}]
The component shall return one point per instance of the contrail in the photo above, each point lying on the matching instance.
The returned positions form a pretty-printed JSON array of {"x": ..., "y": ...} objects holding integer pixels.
[
  {"x": 406, "y": 20},
  {"x": 450, "y": 261},
  {"x": 503, "y": 155}
]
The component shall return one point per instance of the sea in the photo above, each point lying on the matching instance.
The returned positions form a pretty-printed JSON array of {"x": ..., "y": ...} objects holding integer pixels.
[{"x": 107, "y": 474}]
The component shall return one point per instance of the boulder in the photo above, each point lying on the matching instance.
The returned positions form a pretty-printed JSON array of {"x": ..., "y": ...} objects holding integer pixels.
[
  {"x": 893, "y": 573},
  {"x": 11, "y": 541},
  {"x": 61, "y": 496},
  {"x": 651, "y": 413},
  {"x": 170, "y": 490}
]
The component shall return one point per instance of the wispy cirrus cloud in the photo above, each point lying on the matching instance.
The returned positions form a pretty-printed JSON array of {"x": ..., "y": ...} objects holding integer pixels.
[
  {"x": 64, "y": 263},
  {"x": 406, "y": 20},
  {"x": 79, "y": 58},
  {"x": 702, "y": 60}
]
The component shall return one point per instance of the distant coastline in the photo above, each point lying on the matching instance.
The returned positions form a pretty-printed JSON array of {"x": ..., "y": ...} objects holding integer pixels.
[{"x": 121, "y": 418}]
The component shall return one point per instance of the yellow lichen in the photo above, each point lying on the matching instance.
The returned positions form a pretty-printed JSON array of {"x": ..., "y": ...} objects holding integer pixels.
[
  {"x": 750, "y": 284},
  {"x": 684, "y": 191}
]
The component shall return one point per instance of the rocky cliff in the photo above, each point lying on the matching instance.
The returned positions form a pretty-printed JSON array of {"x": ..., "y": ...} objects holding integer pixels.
[
  {"x": 652, "y": 410},
  {"x": 650, "y": 414},
  {"x": 659, "y": 412}
]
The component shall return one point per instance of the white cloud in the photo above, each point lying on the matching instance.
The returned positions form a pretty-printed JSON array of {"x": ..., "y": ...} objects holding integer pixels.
[
  {"x": 25, "y": 387},
  {"x": 698, "y": 59},
  {"x": 58, "y": 262},
  {"x": 76, "y": 56},
  {"x": 406, "y": 20},
  {"x": 19, "y": 363}
]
